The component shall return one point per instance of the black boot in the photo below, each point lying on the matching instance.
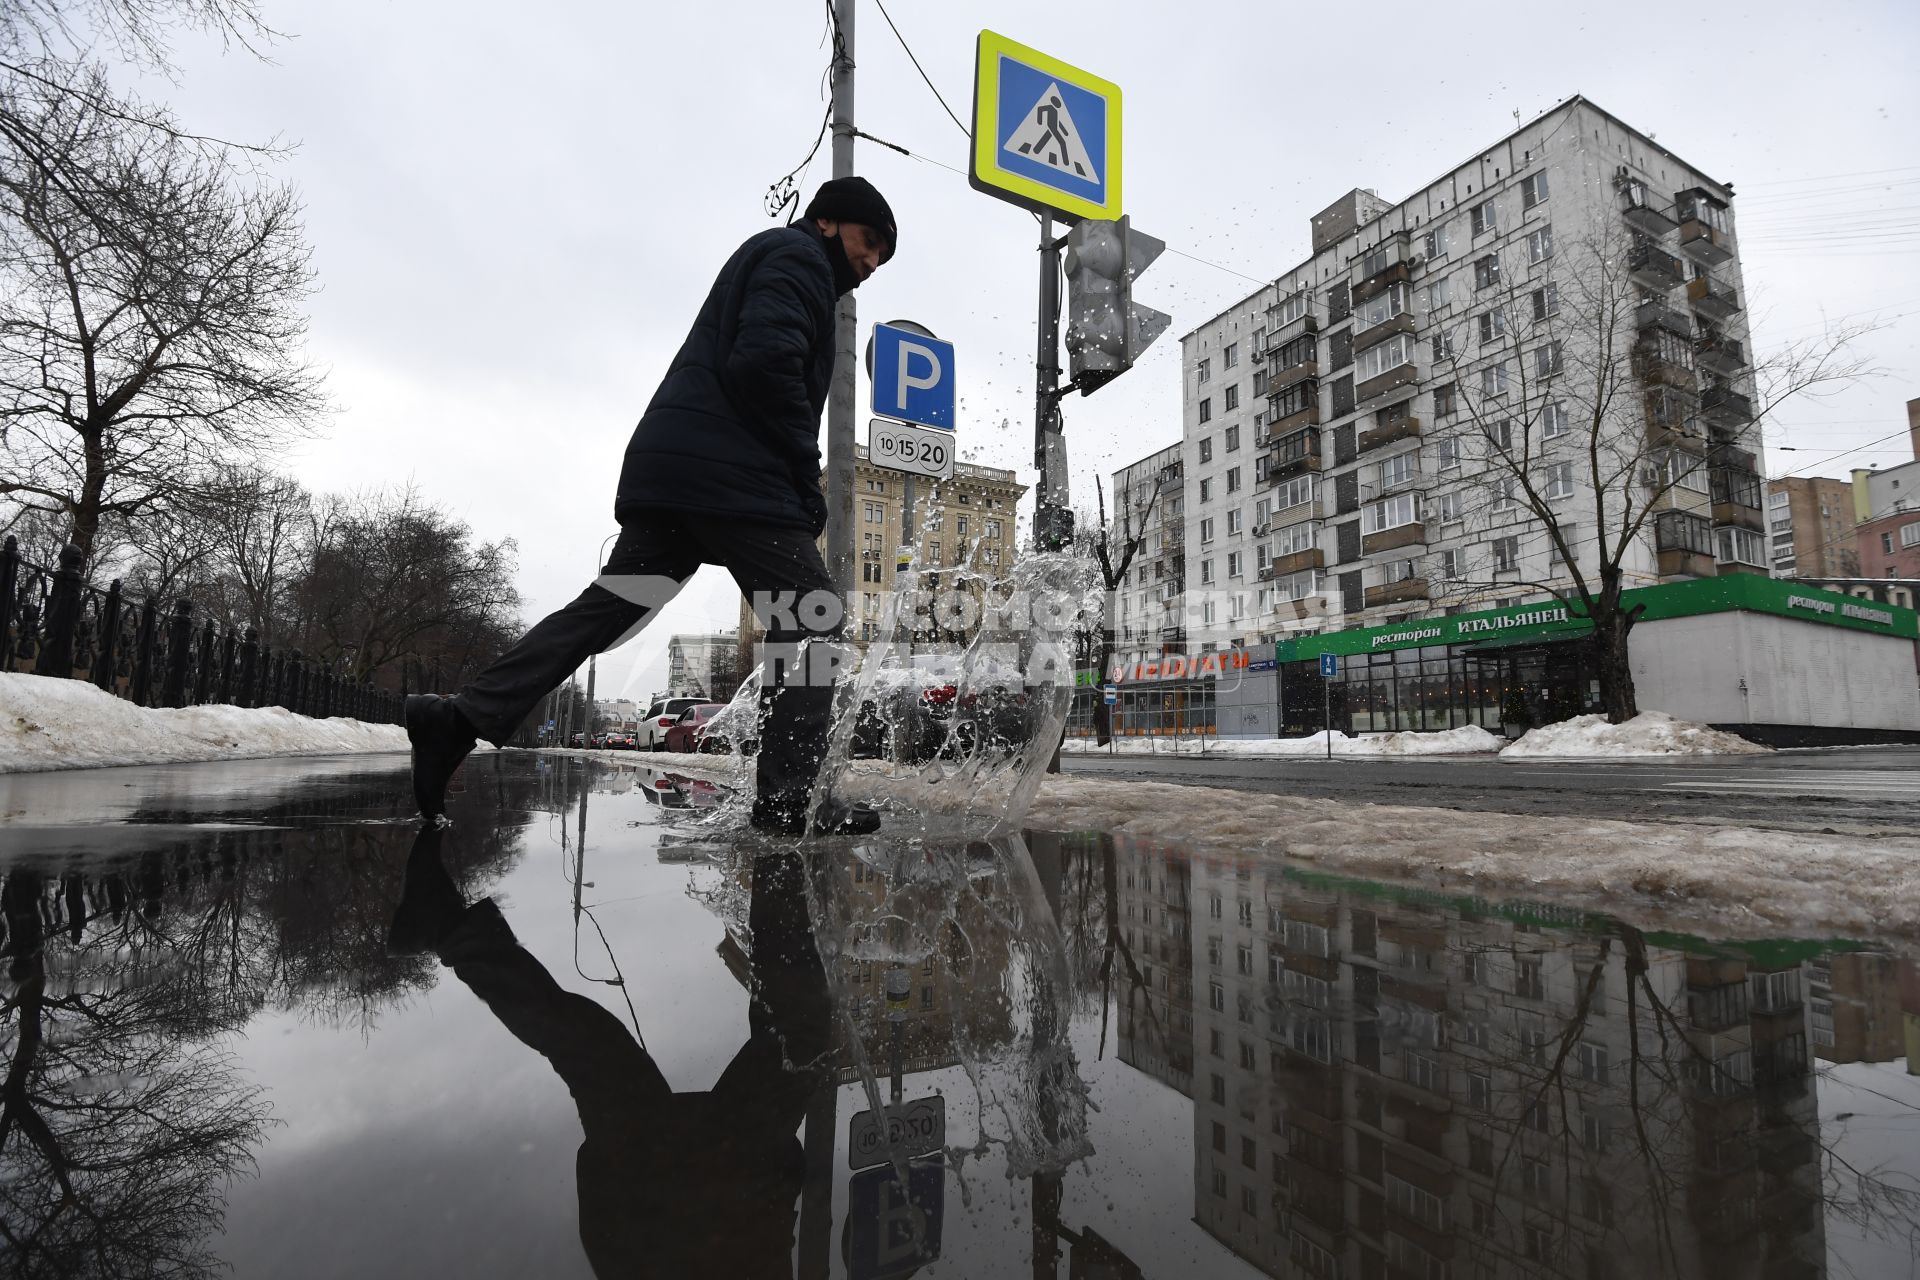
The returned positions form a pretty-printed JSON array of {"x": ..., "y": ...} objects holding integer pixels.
[{"x": 441, "y": 739}]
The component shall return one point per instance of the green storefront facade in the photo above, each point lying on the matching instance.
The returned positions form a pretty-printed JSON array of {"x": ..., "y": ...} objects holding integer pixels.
[{"x": 1523, "y": 665}]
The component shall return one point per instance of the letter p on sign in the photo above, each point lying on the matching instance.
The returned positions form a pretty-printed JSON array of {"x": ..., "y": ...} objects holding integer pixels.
[{"x": 913, "y": 377}]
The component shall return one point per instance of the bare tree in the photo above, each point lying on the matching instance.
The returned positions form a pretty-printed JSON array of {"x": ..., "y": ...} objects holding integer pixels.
[
  {"x": 391, "y": 576},
  {"x": 260, "y": 523},
  {"x": 1113, "y": 550},
  {"x": 141, "y": 353},
  {"x": 1594, "y": 436}
]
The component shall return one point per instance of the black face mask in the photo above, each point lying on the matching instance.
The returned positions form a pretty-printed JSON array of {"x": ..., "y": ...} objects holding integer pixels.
[{"x": 844, "y": 280}]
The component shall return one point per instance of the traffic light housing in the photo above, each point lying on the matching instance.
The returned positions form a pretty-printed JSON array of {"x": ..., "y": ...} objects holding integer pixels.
[{"x": 1106, "y": 329}]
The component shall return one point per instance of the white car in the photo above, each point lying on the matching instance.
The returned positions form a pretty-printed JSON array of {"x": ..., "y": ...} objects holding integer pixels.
[{"x": 659, "y": 718}]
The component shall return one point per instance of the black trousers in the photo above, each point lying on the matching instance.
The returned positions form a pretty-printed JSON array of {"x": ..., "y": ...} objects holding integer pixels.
[{"x": 651, "y": 561}]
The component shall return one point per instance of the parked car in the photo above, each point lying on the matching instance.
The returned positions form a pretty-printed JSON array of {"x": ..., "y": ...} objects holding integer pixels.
[
  {"x": 660, "y": 717},
  {"x": 687, "y": 733}
]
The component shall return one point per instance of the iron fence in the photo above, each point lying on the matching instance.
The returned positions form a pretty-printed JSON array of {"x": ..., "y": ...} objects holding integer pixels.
[{"x": 55, "y": 623}]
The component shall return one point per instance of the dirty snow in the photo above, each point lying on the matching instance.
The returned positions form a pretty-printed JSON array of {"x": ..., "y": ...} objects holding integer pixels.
[
  {"x": 1468, "y": 740},
  {"x": 1651, "y": 733},
  {"x": 70, "y": 724}
]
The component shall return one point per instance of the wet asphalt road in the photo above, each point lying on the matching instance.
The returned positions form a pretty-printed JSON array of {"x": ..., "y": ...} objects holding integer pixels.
[{"x": 1852, "y": 789}]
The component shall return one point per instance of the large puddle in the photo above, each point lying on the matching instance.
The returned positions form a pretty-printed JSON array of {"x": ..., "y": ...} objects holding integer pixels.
[{"x": 261, "y": 1024}]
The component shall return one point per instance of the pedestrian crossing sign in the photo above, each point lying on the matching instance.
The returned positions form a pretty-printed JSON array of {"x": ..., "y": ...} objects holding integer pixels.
[{"x": 1046, "y": 135}]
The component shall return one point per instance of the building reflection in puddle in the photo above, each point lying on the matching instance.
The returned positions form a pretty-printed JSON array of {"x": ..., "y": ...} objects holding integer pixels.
[{"x": 1407, "y": 1086}]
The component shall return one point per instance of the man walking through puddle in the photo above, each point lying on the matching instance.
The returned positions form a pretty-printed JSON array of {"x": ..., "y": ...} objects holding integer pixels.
[{"x": 724, "y": 469}]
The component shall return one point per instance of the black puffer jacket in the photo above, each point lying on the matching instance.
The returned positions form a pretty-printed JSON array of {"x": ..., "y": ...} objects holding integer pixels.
[{"x": 734, "y": 428}]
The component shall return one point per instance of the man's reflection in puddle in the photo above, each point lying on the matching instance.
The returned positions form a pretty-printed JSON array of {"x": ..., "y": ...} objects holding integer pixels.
[{"x": 671, "y": 1184}]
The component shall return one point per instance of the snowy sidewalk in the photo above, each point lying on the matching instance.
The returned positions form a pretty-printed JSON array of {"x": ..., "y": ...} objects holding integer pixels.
[{"x": 69, "y": 724}]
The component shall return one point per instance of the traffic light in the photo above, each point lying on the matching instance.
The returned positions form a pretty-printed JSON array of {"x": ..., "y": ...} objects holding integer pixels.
[{"x": 1106, "y": 331}]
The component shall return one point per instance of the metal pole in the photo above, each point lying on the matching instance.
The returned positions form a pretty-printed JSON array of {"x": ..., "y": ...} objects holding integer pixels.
[
  {"x": 1049, "y": 446},
  {"x": 840, "y": 397},
  {"x": 1326, "y": 712}
]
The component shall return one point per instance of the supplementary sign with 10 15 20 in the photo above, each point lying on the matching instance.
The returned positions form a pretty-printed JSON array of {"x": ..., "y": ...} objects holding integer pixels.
[{"x": 905, "y": 448}]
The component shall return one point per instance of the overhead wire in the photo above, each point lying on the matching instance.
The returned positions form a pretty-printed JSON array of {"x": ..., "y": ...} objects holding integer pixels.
[{"x": 917, "y": 67}]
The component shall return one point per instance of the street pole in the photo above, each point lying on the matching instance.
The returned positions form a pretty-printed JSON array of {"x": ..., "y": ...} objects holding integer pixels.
[
  {"x": 840, "y": 397},
  {"x": 1049, "y": 446},
  {"x": 1326, "y": 712}
]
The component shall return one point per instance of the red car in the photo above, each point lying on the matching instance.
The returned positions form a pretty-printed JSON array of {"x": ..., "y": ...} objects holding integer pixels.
[{"x": 688, "y": 732}]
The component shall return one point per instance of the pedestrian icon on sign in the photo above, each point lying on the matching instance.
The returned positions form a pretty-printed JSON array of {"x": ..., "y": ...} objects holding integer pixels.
[{"x": 1047, "y": 134}]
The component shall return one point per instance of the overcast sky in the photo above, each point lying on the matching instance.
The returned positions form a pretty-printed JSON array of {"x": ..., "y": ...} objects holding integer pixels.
[{"x": 516, "y": 210}]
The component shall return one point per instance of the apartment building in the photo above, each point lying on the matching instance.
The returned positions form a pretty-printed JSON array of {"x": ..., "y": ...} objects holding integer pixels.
[
  {"x": 1390, "y": 1086},
  {"x": 704, "y": 666},
  {"x": 1810, "y": 528},
  {"x": 1338, "y": 424},
  {"x": 1148, "y": 498},
  {"x": 1886, "y": 512}
]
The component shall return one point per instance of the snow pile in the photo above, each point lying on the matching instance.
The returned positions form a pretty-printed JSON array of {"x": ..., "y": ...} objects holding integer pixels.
[
  {"x": 70, "y": 724},
  {"x": 1468, "y": 740},
  {"x": 1651, "y": 733}
]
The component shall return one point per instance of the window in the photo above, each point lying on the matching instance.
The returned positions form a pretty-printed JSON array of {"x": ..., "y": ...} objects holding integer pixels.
[
  {"x": 1293, "y": 492},
  {"x": 1376, "y": 360},
  {"x": 1232, "y": 434},
  {"x": 1442, "y": 344},
  {"x": 1493, "y": 326},
  {"x": 1397, "y": 469},
  {"x": 1533, "y": 190},
  {"x": 1206, "y": 410},
  {"x": 1439, "y": 241},
  {"x": 1910, "y": 535},
  {"x": 1216, "y": 997},
  {"x": 1204, "y": 371},
  {"x": 1232, "y": 402},
  {"x": 873, "y": 513},
  {"x": 1592, "y": 1061},
  {"x": 1233, "y": 564},
  {"x": 1527, "y": 978},
  {"x": 1506, "y": 554},
  {"x": 1546, "y": 360},
  {"x": 1206, "y": 488},
  {"x": 1739, "y": 546},
  {"x": 1554, "y": 421},
  {"x": 1546, "y": 301},
  {"x": 1493, "y": 379},
  {"x": 1446, "y": 507},
  {"x": 1484, "y": 217},
  {"x": 1440, "y": 294},
  {"x": 993, "y": 528},
  {"x": 1539, "y": 244},
  {"x": 1206, "y": 449},
  {"x": 1446, "y": 400},
  {"x": 1401, "y": 509},
  {"x": 1295, "y": 538},
  {"x": 1425, "y": 1073},
  {"x": 1206, "y": 529},
  {"x": 1486, "y": 272},
  {"x": 1417, "y": 1203},
  {"x": 1233, "y": 479},
  {"x": 1570, "y": 535},
  {"x": 1886, "y": 543},
  {"x": 1231, "y": 356},
  {"x": 1290, "y": 308},
  {"x": 1298, "y": 398},
  {"x": 1233, "y": 520},
  {"x": 1560, "y": 480},
  {"x": 1480, "y": 1090},
  {"x": 1380, "y": 308},
  {"x": 1206, "y": 571}
]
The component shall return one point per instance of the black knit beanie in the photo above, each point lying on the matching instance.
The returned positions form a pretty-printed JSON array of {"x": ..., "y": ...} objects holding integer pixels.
[{"x": 855, "y": 200}]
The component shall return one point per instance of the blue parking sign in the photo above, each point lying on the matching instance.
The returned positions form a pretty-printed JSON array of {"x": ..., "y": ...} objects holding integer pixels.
[
  {"x": 912, "y": 377},
  {"x": 894, "y": 1231}
]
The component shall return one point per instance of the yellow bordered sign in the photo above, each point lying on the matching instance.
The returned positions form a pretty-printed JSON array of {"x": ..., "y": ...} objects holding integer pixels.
[{"x": 1046, "y": 135}]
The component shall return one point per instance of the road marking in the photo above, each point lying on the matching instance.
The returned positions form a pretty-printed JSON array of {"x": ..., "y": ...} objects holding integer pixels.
[{"x": 1866, "y": 783}]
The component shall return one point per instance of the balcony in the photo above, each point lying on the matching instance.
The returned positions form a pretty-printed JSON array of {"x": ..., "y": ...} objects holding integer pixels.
[
  {"x": 1654, "y": 313},
  {"x": 1311, "y": 558},
  {"x": 1683, "y": 544},
  {"x": 1729, "y": 455},
  {"x": 1402, "y": 535},
  {"x": 1642, "y": 214},
  {"x": 1712, "y": 299},
  {"x": 1705, "y": 243},
  {"x": 1293, "y": 454},
  {"x": 1281, "y": 334},
  {"x": 1412, "y": 478},
  {"x": 1721, "y": 405},
  {"x": 1654, "y": 268},
  {"x": 1662, "y": 360},
  {"x": 1385, "y": 265},
  {"x": 1389, "y": 427},
  {"x": 1397, "y": 592},
  {"x": 1736, "y": 498},
  {"x": 1293, "y": 363},
  {"x": 1720, "y": 355},
  {"x": 1285, "y": 424},
  {"x": 1401, "y": 377}
]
